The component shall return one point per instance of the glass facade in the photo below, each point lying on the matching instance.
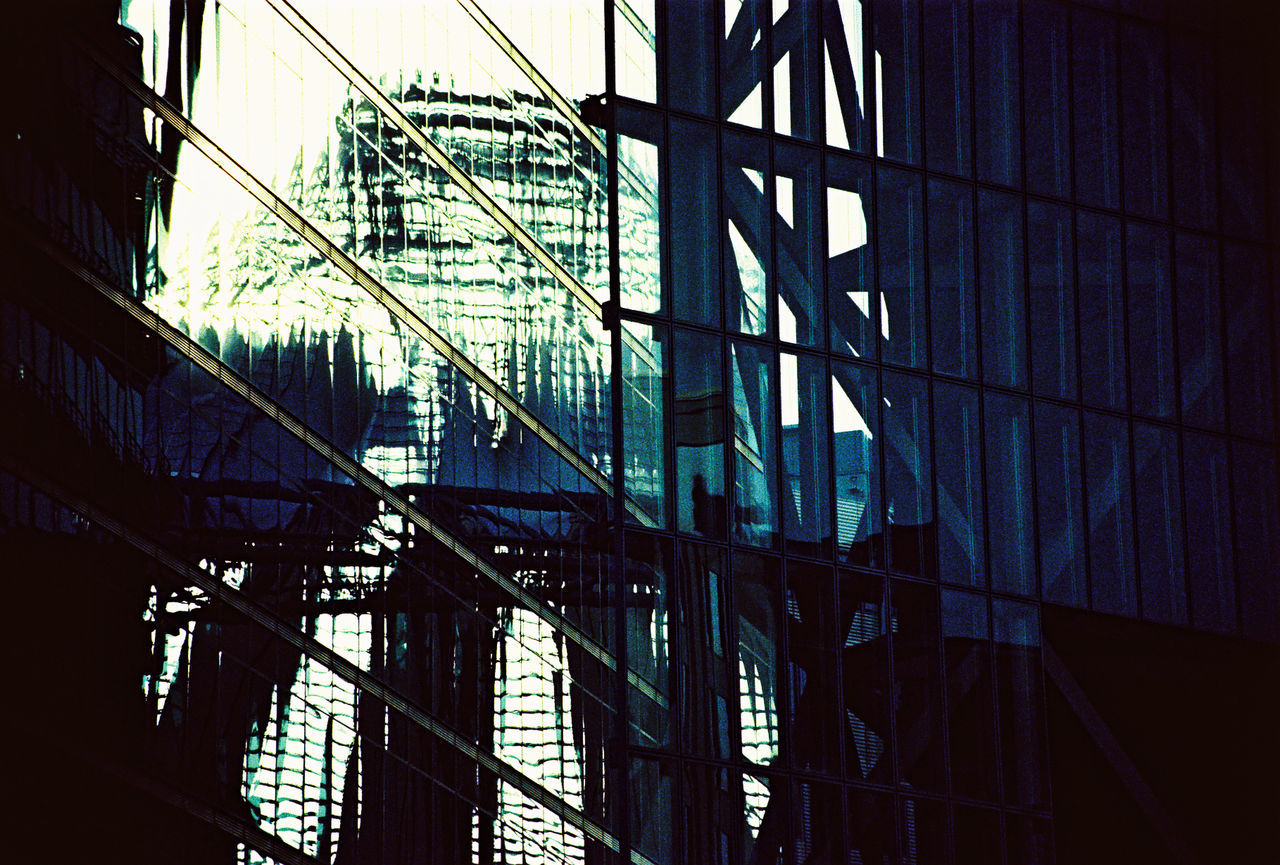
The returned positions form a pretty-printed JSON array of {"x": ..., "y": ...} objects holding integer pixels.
[{"x": 666, "y": 432}]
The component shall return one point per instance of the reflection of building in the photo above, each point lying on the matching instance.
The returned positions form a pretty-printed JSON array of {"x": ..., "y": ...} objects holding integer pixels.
[{"x": 873, "y": 461}]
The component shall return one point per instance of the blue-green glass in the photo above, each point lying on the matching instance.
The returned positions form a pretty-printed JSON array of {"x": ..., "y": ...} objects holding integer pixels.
[
  {"x": 644, "y": 453},
  {"x": 1112, "y": 582},
  {"x": 957, "y": 436},
  {"x": 1060, "y": 505},
  {"x": 953, "y": 306},
  {"x": 693, "y": 235},
  {"x": 1051, "y": 262},
  {"x": 855, "y": 310},
  {"x": 856, "y": 466},
  {"x": 1010, "y": 539},
  {"x": 701, "y": 505},
  {"x": 747, "y": 242},
  {"x": 688, "y": 43},
  {"x": 797, "y": 227},
  {"x": 1103, "y": 368},
  {"x": 946, "y": 85},
  {"x": 1047, "y": 97},
  {"x": 896, "y": 37},
  {"x": 753, "y": 378},
  {"x": 805, "y": 497},
  {"x": 1096, "y": 110},
  {"x": 908, "y": 491},
  {"x": 900, "y": 255},
  {"x": 1002, "y": 287},
  {"x": 1151, "y": 321},
  {"x": 971, "y": 717},
  {"x": 997, "y": 94}
]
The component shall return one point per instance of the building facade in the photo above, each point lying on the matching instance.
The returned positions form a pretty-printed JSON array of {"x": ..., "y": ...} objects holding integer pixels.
[{"x": 733, "y": 432}]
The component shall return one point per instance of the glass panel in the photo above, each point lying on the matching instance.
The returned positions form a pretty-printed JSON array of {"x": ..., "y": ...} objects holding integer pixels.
[
  {"x": 946, "y": 85},
  {"x": 1146, "y": 164},
  {"x": 742, "y": 62},
  {"x": 1199, "y": 331},
  {"x": 1060, "y": 505},
  {"x": 636, "y": 61},
  {"x": 864, "y": 652},
  {"x": 639, "y": 243},
  {"x": 854, "y": 310},
  {"x": 747, "y": 242},
  {"x": 872, "y": 835},
  {"x": 1054, "y": 370},
  {"x": 971, "y": 720},
  {"x": 897, "y": 58},
  {"x": 917, "y": 684},
  {"x": 958, "y": 446},
  {"x": 797, "y": 228},
  {"x": 1047, "y": 97},
  {"x": 1242, "y": 106},
  {"x": 856, "y": 470},
  {"x": 706, "y": 675},
  {"x": 845, "y": 89},
  {"x": 1095, "y": 81},
  {"x": 996, "y": 92},
  {"x": 648, "y": 566},
  {"x": 1210, "y": 551},
  {"x": 1020, "y": 696},
  {"x": 797, "y": 88},
  {"x": 806, "y": 506},
  {"x": 692, "y": 236},
  {"x": 953, "y": 306},
  {"x": 1009, "y": 533},
  {"x": 926, "y": 839},
  {"x": 815, "y": 641},
  {"x": 1159, "y": 513},
  {"x": 765, "y": 812},
  {"x": 644, "y": 451},
  {"x": 900, "y": 234},
  {"x": 757, "y": 598},
  {"x": 1001, "y": 283},
  {"x": 1151, "y": 321},
  {"x": 1110, "y": 508},
  {"x": 1249, "y": 352},
  {"x": 712, "y": 815},
  {"x": 652, "y": 784},
  {"x": 908, "y": 491},
  {"x": 699, "y": 435},
  {"x": 755, "y": 451},
  {"x": 1102, "y": 350},
  {"x": 1257, "y": 530},
  {"x": 689, "y": 40},
  {"x": 1195, "y": 182}
]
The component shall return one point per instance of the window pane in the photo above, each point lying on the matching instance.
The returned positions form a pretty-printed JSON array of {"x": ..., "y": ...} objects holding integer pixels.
[
  {"x": 1110, "y": 512},
  {"x": 958, "y": 445},
  {"x": 1199, "y": 331},
  {"x": 1211, "y": 553},
  {"x": 845, "y": 92},
  {"x": 1008, "y": 447},
  {"x": 908, "y": 490},
  {"x": 971, "y": 722},
  {"x": 1102, "y": 350},
  {"x": 1151, "y": 322},
  {"x": 644, "y": 450},
  {"x": 854, "y": 424},
  {"x": 805, "y": 499},
  {"x": 897, "y": 47},
  {"x": 1249, "y": 351},
  {"x": 689, "y": 37},
  {"x": 1053, "y": 301},
  {"x": 1146, "y": 172},
  {"x": 747, "y": 242},
  {"x": 757, "y": 598},
  {"x": 1096, "y": 115},
  {"x": 1159, "y": 512},
  {"x": 1047, "y": 97},
  {"x": 900, "y": 232},
  {"x": 797, "y": 228},
  {"x": 953, "y": 306},
  {"x": 797, "y": 82},
  {"x": 699, "y": 435},
  {"x": 1257, "y": 530},
  {"x": 1001, "y": 283},
  {"x": 742, "y": 62},
  {"x": 1060, "y": 500},
  {"x": 1020, "y": 696},
  {"x": 1195, "y": 183},
  {"x": 755, "y": 452},
  {"x": 917, "y": 683},
  {"x": 854, "y": 309},
  {"x": 946, "y": 85},
  {"x": 996, "y": 94},
  {"x": 693, "y": 237}
]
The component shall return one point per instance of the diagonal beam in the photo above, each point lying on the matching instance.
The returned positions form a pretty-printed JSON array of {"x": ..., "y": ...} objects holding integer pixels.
[
  {"x": 414, "y": 133},
  {"x": 361, "y": 277},
  {"x": 246, "y": 390},
  {"x": 358, "y": 678},
  {"x": 1119, "y": 760}
]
